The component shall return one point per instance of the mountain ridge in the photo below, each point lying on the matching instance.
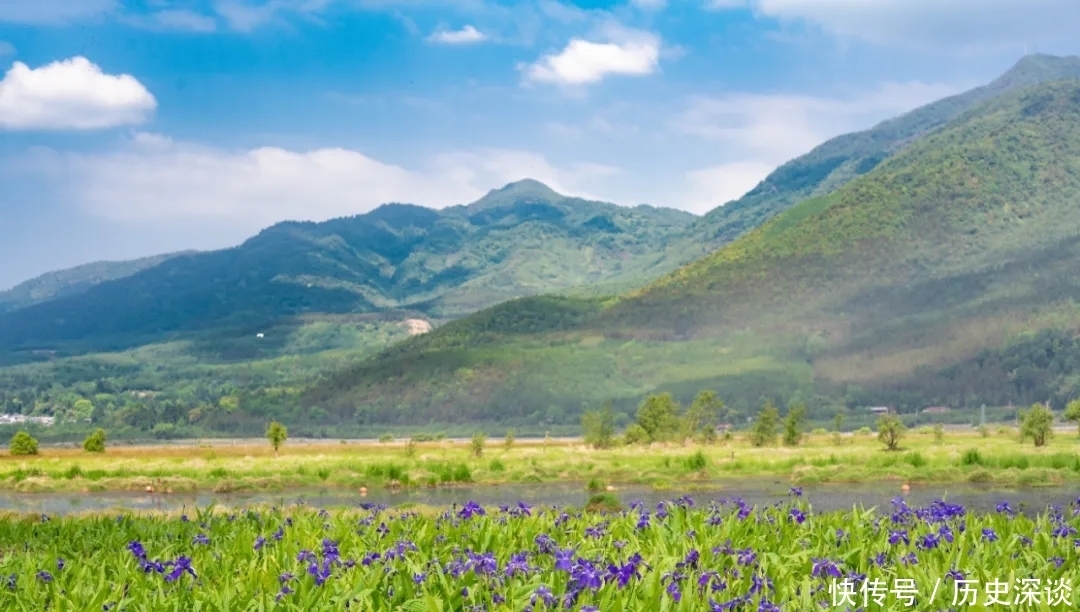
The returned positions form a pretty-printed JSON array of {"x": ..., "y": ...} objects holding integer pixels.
[
  {"x": 957, "y": 245},
  {"x": 519, "y": 240},
  {"x": 75, "y": 280}
]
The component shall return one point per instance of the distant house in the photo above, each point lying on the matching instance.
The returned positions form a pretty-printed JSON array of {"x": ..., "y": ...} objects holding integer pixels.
[
  {"x": 879, "y": 410},
  {"x": 10, "y": 419},
  {"x": 936, "y": 410}
]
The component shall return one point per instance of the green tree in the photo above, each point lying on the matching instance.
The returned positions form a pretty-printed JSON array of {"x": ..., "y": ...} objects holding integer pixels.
[
  {"x": 890, "y": 431},
  {"x": 702, "y": 416},
  {"x": 838, "y": 421},
  {"x": 658, "y": 415},
  {"x": 636, "y": 435},
  {"x": 508, "y": 442},
  {"x": 277, "y": 434},
  {"x": 793, "y": 423},
  {"x": 95, "y": 442},
  {"x": 764, "y": 430},
  {"x": 1037, "y": 423},
  {"x": 82, "y": 409},
  {"x": 598, "y": 426},
  {"x": 1072, "y": 413},
  {"x": 479, "y": 439},
  {"x": 22, "y": 443}
]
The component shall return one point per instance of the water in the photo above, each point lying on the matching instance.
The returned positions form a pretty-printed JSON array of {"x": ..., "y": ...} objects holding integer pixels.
[{"x": 823, "y": 498}]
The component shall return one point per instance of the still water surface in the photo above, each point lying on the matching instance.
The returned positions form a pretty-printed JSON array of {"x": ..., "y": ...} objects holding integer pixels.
[{"x": 823, "y": 498}]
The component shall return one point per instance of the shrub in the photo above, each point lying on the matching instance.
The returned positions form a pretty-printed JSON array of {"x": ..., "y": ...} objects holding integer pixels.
[
  {"x": 95, "y": 442},
  {"x": 696, "y": 462},
  {"x": 22, "y": 443},
  {"x": 479, "y": 439},
  {"x": 890, "y": 430}
]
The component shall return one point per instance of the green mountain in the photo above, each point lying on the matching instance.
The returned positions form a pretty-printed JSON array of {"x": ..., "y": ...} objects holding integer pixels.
[
  {"x": 948, "y": 273},
  {"x": 836, "y": 162},
  {"x": 520, "y": 240},
  {"x": 73, "y": 281}
]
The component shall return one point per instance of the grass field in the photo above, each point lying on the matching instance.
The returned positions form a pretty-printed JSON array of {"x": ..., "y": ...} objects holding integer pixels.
[
  {"x": 676, "y": 557},
  {"x": 960, "y": 456}
]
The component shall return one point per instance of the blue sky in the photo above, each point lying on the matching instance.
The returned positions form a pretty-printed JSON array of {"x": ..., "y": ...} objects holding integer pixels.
[{"x": 135, "y": 127}]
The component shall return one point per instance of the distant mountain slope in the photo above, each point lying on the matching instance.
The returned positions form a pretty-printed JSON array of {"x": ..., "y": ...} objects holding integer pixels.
[
  {"x": 834, "y": 163},
  {"x": 520, "y": 240},
  {"x": 962, "y": 241},
  {"x": 73, "y": 281}
]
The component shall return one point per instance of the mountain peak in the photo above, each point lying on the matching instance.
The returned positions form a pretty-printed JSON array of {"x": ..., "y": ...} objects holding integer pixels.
[
  {"x": 525, "y": 189},
  {"x": 1038, "y": 68}
]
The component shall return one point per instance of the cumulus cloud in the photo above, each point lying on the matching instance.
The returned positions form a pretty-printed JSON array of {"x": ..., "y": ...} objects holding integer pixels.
[
  {"x": 582, "y": 62},
  {"x": 760, "y": 131},
  {"x": 963, "y": 23},
  {"x": 71, "y": 94},
  {"x": 153, "y": 178},
  {"x": 464, "y": 36}
]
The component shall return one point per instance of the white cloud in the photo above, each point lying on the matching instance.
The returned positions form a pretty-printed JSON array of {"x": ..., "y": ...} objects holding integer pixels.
[
  {"x": 582, "y": 62},
  {"x": 52, "y": 12},
  {"x": 465, "y": 35},
  {"x": 155, "y": 179},
  {"x": 711, "y": 187},
  {"x": 173, "y": 19},
  {"x": 71, "y": 94},
  {"x": 758, "y": 132},
  {"x": 955, "y": 23},
  {"x": 247, "y": 15},
  {"x": 650, "y": 5}
]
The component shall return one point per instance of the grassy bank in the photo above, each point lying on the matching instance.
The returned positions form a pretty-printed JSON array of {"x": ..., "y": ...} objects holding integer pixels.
[{"x": 998, "y": 458}]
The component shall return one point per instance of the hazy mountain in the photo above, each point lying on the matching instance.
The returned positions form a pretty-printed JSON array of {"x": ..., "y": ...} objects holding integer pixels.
[
  {"x": 520, "y": 240},
  {"x": 73, "y": 281}
]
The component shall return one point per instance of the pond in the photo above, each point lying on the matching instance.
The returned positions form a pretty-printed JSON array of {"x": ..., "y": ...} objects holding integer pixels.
[{"x": 823, "y": 497}]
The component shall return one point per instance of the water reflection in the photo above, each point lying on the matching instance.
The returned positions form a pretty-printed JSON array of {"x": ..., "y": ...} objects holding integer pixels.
[{"x": 821, "y": 497}]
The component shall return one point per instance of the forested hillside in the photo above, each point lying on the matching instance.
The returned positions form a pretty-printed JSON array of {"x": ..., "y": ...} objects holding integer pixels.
[
  {"x": 836, "y": 162},
  {"x": 928, "y": 260},
  {"x": 74, "y": 281},
  {"x": 523, "y": 239},
  {"x": 914, "y": 282}
]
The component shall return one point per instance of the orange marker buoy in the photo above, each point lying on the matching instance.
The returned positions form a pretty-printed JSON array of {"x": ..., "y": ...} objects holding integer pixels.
[{"x": 905, "y": 488}]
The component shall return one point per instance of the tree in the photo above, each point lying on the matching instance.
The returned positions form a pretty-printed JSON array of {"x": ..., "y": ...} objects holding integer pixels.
[
  {"x": 701, "y": 417},
  {"x": 764, "y": 430},
  {"x": 1037, "y": 423},
  {"x": 598, "y": 426},
  {"x": 890, "y": 431},
  {"x": 277, "y": 434},
  {"x": 1072, "y": 413},
  {"x": 22, "y": 443},
  {"x": 95, "y": 442},
  {"x": 658, "y": 415},
  {"x": 477, "y": 444},
  {"x": 796, "y": 416},
  {"x": 838, "y": 421},
  {"x": 509, "y": 441},
  {"x": 82, "y": 410},
  {"x": 939, "y": 433}
]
